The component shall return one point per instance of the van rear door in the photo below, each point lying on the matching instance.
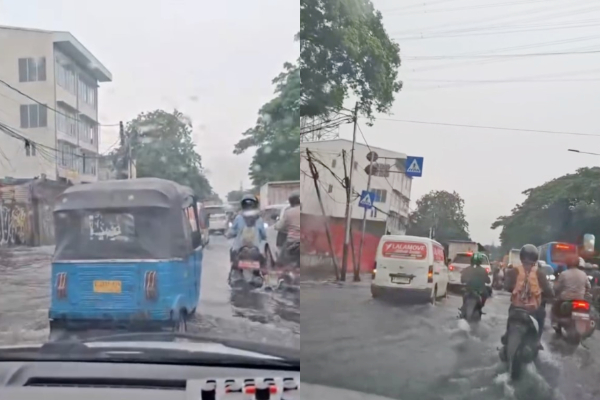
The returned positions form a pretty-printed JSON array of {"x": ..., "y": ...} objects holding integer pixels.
[{"x": 403, "y": 263}]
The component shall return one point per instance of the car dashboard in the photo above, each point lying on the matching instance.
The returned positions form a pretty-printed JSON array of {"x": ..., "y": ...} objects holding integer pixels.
[{"x": 127, "y": 381}]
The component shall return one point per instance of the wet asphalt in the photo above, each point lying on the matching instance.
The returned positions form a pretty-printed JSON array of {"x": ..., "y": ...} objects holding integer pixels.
[
  {"x": 259, "y": 316},
  {"x": 423, "y": 352}
]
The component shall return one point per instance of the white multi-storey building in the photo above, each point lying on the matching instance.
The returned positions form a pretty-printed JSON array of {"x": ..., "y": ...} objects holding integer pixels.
[
  {"x": 49, "y": 95},
  {"x": 392, "y": 193}
]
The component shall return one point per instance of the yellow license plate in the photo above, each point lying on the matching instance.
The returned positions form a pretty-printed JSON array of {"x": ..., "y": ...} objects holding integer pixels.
[{"x": 107, "y": 286}]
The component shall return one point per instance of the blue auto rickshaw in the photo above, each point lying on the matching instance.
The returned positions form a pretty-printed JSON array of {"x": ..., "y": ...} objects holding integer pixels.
[{"x": 128, "y": 255}]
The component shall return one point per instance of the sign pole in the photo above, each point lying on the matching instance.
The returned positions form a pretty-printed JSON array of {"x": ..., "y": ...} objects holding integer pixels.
[{"x": 372, "y": 157}]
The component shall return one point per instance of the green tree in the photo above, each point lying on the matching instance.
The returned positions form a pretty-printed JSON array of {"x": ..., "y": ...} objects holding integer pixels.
[
  {"x": 344, "y": 49},
  {"x": 162, "y": 147},
  {"x": 276, "y": 134},
  {"x": 560, "y": 210},
  {"x": 444, "y": 211}
]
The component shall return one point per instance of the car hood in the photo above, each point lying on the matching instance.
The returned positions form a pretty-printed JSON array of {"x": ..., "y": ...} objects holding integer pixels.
[
  {"x": 200, "y": 347},
  {"x": 314, "y": 392}
]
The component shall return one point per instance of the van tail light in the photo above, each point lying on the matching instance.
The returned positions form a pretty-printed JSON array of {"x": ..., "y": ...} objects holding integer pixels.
[
  {"x": 61, "y": 285},
  {"x": 150, "y": 285},
  {"x": 430, "y": 274},
  {"x": 581, "y": 305}
]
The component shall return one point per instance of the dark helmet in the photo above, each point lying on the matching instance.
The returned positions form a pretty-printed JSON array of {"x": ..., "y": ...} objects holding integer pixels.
[
  {"x": 249, "y": 202},
  {"x": 294, "y": 199},
  {"x": 477, "y": 259},
  {"x": 529, "y": 254}
]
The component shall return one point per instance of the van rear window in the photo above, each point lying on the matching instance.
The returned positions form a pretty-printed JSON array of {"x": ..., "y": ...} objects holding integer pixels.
[
  {"x": 466, "y": 259},
  {"x": 404, "y": 250}
]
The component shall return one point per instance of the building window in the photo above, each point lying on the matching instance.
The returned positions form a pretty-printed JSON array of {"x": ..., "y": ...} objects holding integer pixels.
[
  {"x": 87, "y": 92},
  {"x": 32, "y": 69},
  {"x": 380, "y": 195},
  {"x": 29, "y": 149},
  {"x": 34, "y": 116},
  {"x": 65, "y": 77},
  {"x": 355, "y": 165},
  {"x": 330, "y": 189},
  {"x": 68, "y": 156},
  {"x": 333, "y": 163},
  {"x": 87, "y": 131}
]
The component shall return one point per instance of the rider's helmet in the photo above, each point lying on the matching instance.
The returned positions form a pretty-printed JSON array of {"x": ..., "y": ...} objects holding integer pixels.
[
  {"x": 249, "y": 202},
  {"x": 477, "y": 259},
  {"x": 294, "y": 199},
  {"x": 529, "y": 254}
]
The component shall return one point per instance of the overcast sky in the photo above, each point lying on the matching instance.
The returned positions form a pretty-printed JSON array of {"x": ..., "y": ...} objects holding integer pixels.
[
  {"x": 490, "y": 168},
  {"x": 213, "y": 60}
]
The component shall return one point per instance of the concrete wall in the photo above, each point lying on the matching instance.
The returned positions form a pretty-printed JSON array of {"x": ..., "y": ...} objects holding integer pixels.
[
  {"x": 26, "y": 213},
  {"x": 315, "y": 247}
]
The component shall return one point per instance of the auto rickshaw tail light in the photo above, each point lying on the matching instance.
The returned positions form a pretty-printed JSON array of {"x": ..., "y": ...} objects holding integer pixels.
[
  {"x": 150, "y": 285},
  {"x": 61, "y": 285}
]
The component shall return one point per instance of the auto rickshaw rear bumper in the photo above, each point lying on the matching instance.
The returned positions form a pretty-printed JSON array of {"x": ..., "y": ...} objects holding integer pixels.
[{"x": 111, "y": 319}]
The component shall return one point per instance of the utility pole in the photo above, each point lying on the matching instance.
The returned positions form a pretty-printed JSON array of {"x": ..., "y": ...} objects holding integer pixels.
[
  {"x": 372, "y": 157},
  {"x": 315, "y": 176},
  {"x": 349, "y": 195}
]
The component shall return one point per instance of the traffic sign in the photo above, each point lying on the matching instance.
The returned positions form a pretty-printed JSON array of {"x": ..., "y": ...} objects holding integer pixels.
[
  {"x": 366, "y": 200},
  {"x": 414, "y": 166}
]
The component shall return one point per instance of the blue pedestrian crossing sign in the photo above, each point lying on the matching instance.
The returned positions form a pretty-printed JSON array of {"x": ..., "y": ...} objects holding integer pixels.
[
  {"x": 414, "y": 166},
  {"x": 366, "y": 200}
]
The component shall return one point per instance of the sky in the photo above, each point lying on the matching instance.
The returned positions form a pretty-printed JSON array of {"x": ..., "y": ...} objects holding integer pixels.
[
  {"x": 491, "y": 168},
  {"x": 212, "y": 60}
]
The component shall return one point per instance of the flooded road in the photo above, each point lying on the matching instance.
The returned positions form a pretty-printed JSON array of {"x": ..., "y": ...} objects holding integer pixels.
[
  {"x": 423, "y": 352},
  {"x": 257, "y": 316}
]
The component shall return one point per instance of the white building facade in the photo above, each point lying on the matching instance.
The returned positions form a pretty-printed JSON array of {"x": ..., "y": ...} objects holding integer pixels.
[
  {"x": 53, "y": 102},
  {"x": 392, "y": 192}
]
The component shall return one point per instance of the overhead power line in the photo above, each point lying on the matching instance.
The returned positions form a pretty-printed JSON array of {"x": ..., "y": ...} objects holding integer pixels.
[
  {"x": 487, "y": 56},
  {"x": 490, "y": 127},
  {"x": 45, "y": 105}
]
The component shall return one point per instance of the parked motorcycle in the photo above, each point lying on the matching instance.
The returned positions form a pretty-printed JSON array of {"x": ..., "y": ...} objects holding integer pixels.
[
  {"x": 521, "y": 342},
  {"x": 575, "y": 320},
  {"x": 246, "y": 268}
]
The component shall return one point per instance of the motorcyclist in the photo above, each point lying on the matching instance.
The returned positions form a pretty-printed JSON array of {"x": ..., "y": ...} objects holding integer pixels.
[
  {"x": 290, "y": 225},
  {"x": 572, "y": 284},
  {"x": 529, "y": 287},
  {"x": 248, "y": 228},
  {"x": 475, "y": 278}
]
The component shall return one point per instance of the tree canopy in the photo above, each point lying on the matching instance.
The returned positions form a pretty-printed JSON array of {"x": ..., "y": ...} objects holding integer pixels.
[
  {"x": 563, "y": 209},
  {"x": 276, "y": 134},
  {"x": 344, "y": 49},
  {"x": 162, "y": 147},
  {"x": 444, "y": 211}
]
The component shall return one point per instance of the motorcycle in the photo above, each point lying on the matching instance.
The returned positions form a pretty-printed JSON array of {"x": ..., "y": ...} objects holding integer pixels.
[
  {"x": 246, "y": 268},
  {"x": 472, "y": 307},
  {"x": 574, "y": 318},
  {"x": 521, "y": 342}
]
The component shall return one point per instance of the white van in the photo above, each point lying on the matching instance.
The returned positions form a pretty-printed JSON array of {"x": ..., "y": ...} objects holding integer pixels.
[{"x": 412, "y": 264}]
